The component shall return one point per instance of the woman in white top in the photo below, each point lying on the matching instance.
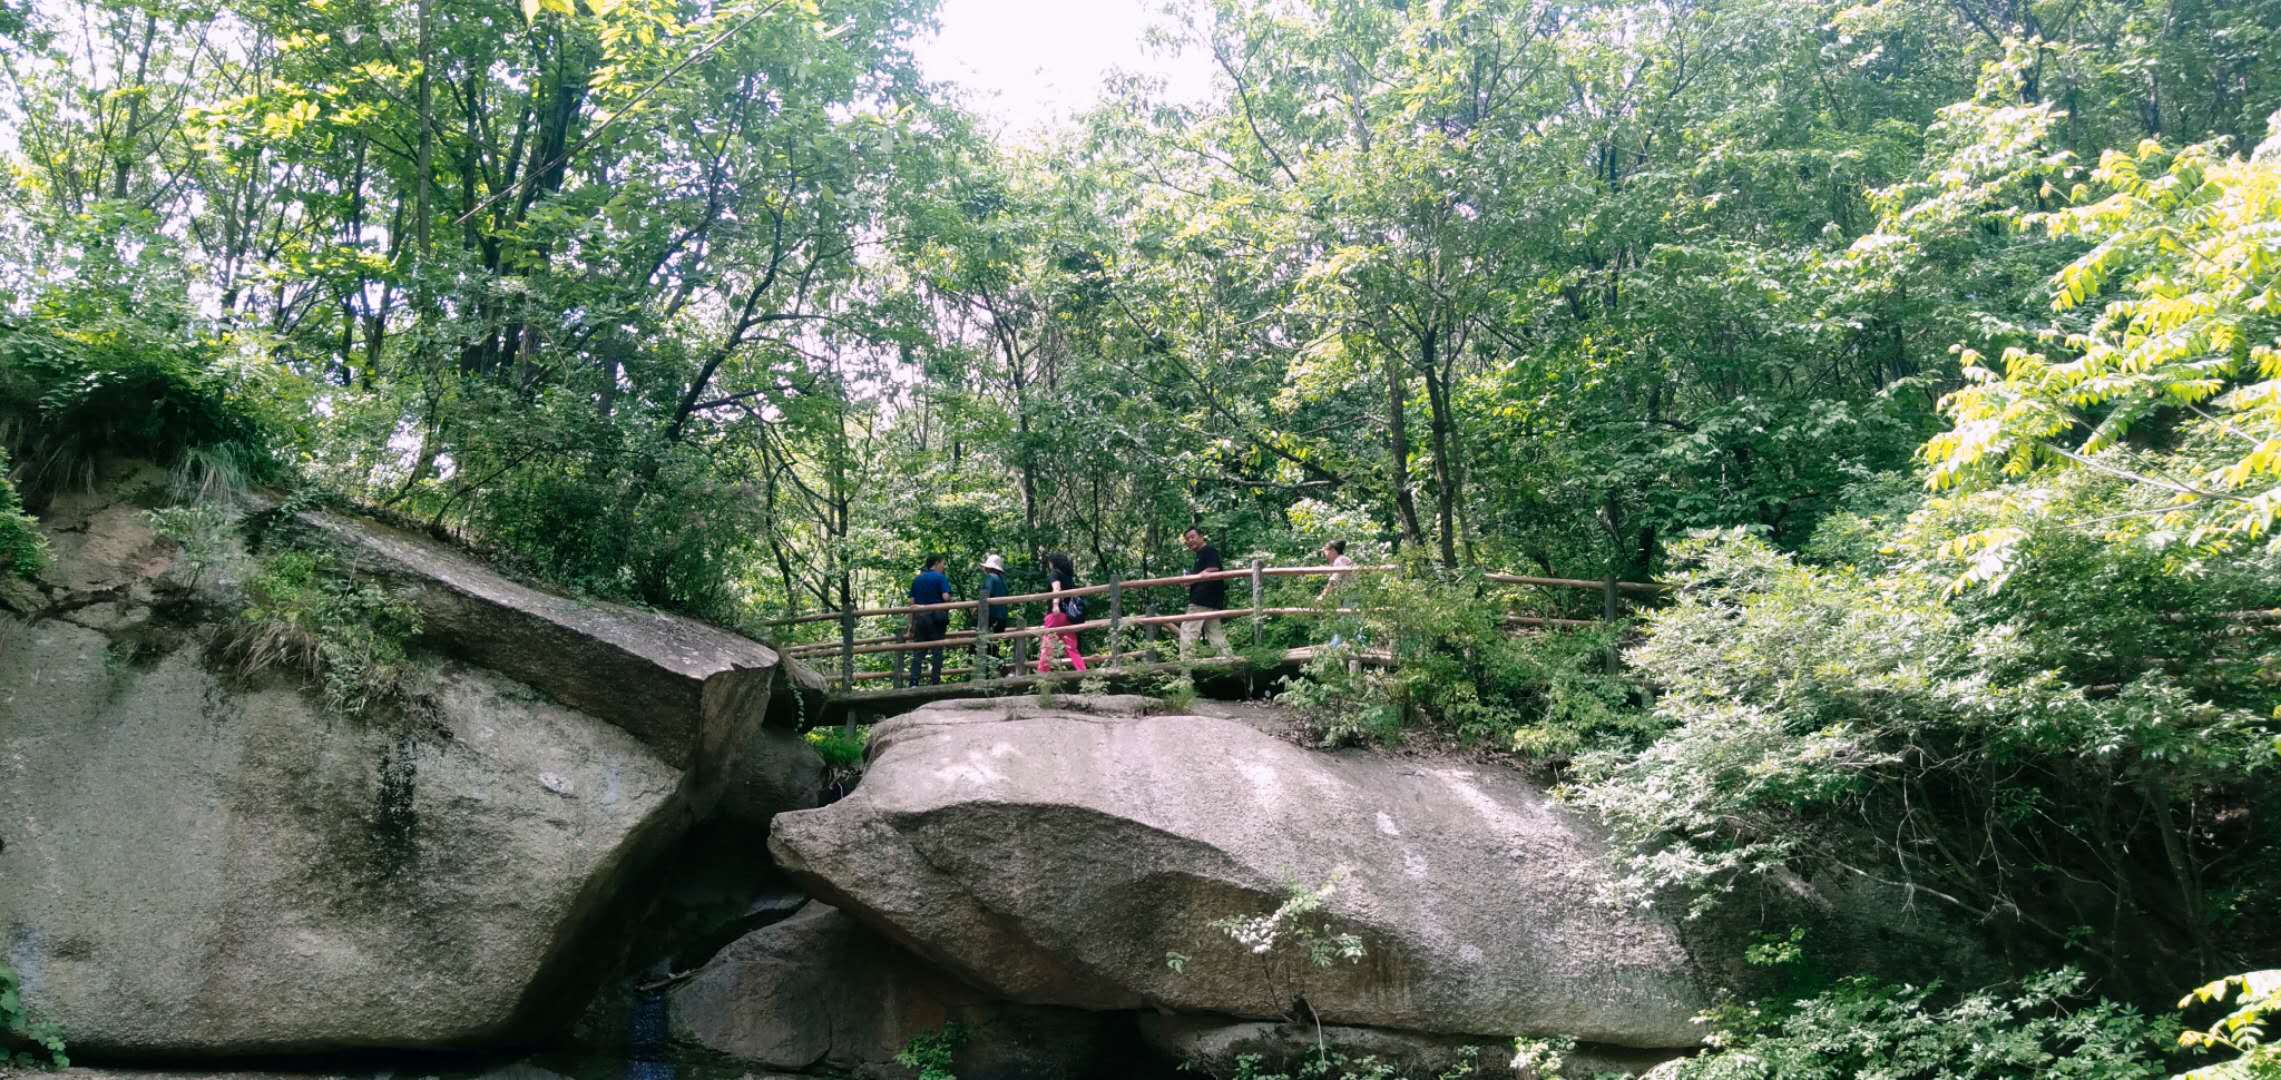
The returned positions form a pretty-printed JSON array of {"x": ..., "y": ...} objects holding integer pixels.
[{"x": 1334, "y": 553}]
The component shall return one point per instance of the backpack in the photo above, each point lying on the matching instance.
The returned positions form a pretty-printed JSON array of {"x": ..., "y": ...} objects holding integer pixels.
[{"x": 1073, "y": 607}]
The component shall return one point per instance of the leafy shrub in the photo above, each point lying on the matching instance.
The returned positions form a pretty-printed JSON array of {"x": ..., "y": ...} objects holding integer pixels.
[
  {"x": 1327, "y": 1064},
  {"x": 605, "y": 508},
  {"x": 1178, "y": 692},
  {"x": 24, "y": 1042},
  {"x": 1297, "y": 930},
  {"x": 2241, "y": 1031},
  {"x": 200, "y": 533},
  {"x": 1294, "y": 921},
  {"x": 2179, "y": 253},
  {"x": 840, "y": 749},
  {"x": 2012, "y": 756},
  {"x": 842, "y": 752},
  {"x": 931, "y": 1053},
  {"x": 1321, "y": 1065},
  {"x": 23, "y": 551},
  {"x": 72, "y": 392},
  {"x": 1863, "y": 1027},
  {"x": 306, "y": 613},
  {"x": 1460, "y": 669}
]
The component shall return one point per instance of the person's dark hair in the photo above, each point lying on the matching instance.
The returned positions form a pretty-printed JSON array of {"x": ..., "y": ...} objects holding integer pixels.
[
  {"x": 1193, "y": 529},
  {"x": 1338, "y": 547},
  {"x": 934, "y": 561},
  {"x": 1062, "y": 567}
]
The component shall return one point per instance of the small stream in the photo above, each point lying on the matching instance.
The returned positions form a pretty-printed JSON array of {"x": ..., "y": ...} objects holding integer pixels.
[{"x": 646, "y": 1031}]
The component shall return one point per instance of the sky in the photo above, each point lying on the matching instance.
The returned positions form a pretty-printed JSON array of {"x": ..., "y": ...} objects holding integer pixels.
[{"x": 1027, "y": 63}]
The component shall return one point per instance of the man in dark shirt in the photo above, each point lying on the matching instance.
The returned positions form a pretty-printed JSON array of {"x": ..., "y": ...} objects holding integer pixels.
[
  {"x": 1204, "y": 596},
  {"x": 993, "y": 587},
  {"x": 932, "y": 586}
]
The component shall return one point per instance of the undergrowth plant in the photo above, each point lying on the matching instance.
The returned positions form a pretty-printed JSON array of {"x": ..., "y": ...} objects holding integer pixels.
[
  {"x": 2255, "y": 997},
  {"x": 1548, "y": 1059},
  {"x": 306, "y": 613},
  {"x": 1285, "y": 943},
  {"x": 200, "y": 532},
  {"x": 2097, "y": 721},
  {"x": 1178, "y": 692},
  {"x": 24, "y": 1042},
  {"x": 23, "y": 551},
  {"x": 1865, "y": 1027},
  {"x": 1333, "y": 1065},
  {"x": 932, "y": 1052},
  {"x": 842, "y": 752},
  {"x": 76, "y": 387},
  {"x": 1462, "y": 669}
]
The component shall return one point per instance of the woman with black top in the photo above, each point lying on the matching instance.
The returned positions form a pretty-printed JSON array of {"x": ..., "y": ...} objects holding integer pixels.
[{"x": 1064, "y": 611}]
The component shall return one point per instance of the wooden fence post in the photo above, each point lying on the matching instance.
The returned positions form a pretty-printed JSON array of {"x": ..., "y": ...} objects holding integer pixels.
[
  {"x": 1609, "y": 610},
  {"x": 1116, "y": 616},
  {"x": 895, "y": 659},
  {"x": 1258, "y": 600},
  {"x": 1022, "y": 647},
  {"x": 847, "y": 661},
  {"x": 982, "y": 665}
]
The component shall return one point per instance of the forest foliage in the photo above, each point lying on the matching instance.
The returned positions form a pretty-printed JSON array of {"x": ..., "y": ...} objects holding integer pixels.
[{"x": 1927, "y": 348}]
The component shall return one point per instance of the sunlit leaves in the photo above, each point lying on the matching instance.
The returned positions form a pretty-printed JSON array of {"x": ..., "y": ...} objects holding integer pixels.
[{"x": 2183, "y": 249}]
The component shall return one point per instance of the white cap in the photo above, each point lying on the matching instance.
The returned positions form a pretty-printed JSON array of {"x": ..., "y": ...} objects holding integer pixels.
[{"x": 993, "y": 562}]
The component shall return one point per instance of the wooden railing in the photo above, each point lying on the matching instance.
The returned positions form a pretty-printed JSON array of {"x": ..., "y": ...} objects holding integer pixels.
[{"x": 986, "y": 666}]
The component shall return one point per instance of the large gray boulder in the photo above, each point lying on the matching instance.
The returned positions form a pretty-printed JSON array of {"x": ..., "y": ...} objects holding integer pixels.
[
  {"x": 200, "y": 863},
  {"x": 1062, "y": 855},
  {"x": 677, "y": 684},
  {"x": 821, "y": 991}
]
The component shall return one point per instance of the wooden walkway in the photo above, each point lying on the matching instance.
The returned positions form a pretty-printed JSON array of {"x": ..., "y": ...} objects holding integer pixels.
[
  {"x": 1005, "y": 658},
  {"x": 1131, "y": 676}
]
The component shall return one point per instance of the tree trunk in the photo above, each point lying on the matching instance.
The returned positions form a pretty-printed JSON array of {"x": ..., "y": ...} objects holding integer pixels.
[
  {"x": 123, "y": 165},
  {"x": 1438, "y": 425},
  {"x": 424, "y": 205},
  {"x": 1398, "y": 449}
]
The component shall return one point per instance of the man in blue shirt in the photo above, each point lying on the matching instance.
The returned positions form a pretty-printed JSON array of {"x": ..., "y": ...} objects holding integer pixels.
[{"x": 932, "y": 586}]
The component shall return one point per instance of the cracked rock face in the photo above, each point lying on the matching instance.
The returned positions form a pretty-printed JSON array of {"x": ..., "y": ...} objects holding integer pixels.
[
  {"x": 1061, "y": 856},
  {"x": 200, "y": 863}
]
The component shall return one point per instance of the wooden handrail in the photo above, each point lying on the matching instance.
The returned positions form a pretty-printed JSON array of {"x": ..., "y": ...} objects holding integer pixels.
[
  {"x": 1572, "y": 583},
  {"x": 1073, "y": 628},
  {"x": 960, "y": 640},
  {"x": 1538, "y": 620},
  {"x": 1188, "y": 579},
  {"x": 1306, "y": 571},
  {"x": 978, "y": 640},
  {"x": 1217, "y": 575},
  {"x": 1025, "y": 598}
]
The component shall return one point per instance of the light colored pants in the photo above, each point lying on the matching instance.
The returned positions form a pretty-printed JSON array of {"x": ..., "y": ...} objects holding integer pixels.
[{"x": 1217, "y": 628}]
